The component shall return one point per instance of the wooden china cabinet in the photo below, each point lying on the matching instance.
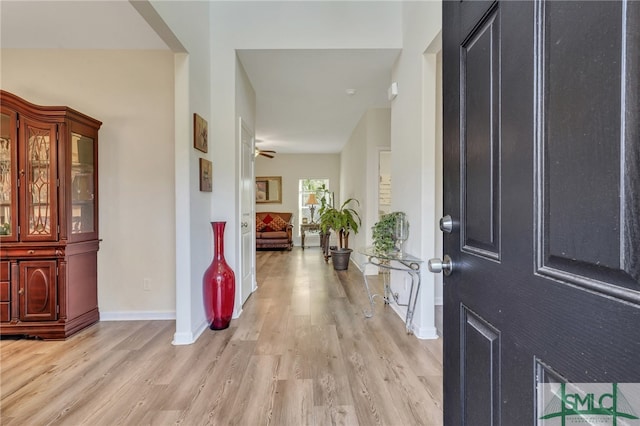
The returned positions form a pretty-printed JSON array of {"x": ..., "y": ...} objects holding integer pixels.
[{"x": 48, "y": 219}]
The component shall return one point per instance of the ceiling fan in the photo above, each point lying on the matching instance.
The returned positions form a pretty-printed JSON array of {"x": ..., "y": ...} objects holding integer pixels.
[{"x": 264, "y": 152}]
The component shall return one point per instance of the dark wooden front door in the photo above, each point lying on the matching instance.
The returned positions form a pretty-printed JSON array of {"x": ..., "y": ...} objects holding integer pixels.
[{"x": 542, "y": 180}]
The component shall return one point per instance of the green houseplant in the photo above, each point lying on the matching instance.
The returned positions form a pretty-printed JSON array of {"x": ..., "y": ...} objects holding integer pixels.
[
  {"x": 343, "y": 221},
  {"x": 383, "y": 232}
]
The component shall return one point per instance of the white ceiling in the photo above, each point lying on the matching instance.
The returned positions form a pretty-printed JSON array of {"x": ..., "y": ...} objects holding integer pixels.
[
  {"x": 302, "y": 104},
  {"x": 85, "y": 24}
]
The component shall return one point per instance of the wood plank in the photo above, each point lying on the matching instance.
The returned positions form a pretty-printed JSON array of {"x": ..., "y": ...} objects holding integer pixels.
[
  {"x": 253, "y": 315},
  {"x": 344, "y": 415},
  {"x": 254, "y": 403},
  {"x": 274, "y": 333},
  {"x": 293, "y": 403},
  {"x": 296, "y": 361},
  {"x": 408, "y": 395},
  {"x": 329, "y": 369},
  {"x": 211, "y": 402},
  {"x": 371, "y": 397}
]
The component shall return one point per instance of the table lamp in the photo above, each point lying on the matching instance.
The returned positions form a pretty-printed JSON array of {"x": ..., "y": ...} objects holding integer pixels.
[{"x": 311, "y": 202}]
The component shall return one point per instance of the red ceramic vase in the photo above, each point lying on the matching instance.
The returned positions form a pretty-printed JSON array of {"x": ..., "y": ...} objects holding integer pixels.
[{"x": 218, "y": 284}]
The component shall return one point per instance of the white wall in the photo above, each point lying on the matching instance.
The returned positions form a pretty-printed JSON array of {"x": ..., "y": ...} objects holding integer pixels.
[
  {"x": 378, "y": 139},
  {"x": 353, "y": 180},
  {"x": 359, "y": 172},
  {"x": 292, "y": 168},
  {"x": 189, "y": 23},
  {"x": 413, "y": 143},
  {"x": 245, "y": 98},
  {"x": 131, "y": 92}
]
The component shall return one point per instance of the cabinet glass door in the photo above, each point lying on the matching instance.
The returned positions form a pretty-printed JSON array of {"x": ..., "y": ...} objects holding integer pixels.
[
  {"x": 7, "y": 172},
  {"x": 40, "y": 183},
  {"x": 82, "y": 184}
]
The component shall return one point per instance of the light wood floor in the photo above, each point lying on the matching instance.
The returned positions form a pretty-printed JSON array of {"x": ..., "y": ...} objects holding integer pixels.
[{"x": 301, "y": 354}]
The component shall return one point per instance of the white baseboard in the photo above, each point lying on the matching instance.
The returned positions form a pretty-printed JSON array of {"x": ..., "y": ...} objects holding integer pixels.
[
  {"x": 357, "y": 265},
  {"x": 137, "y": 315},
  {"x": 189, "y": 338},
  {"x": 180, "y": 339},
  {"x": 423, "y": 333},
  {"x": 401, "y": 311}
]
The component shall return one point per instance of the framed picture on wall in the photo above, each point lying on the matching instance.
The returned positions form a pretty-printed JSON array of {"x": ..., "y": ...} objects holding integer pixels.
[
  {"x": 200, "y": 133},
  {"x": 269, "y": 189},
  {"x": 206, "y": 175}
]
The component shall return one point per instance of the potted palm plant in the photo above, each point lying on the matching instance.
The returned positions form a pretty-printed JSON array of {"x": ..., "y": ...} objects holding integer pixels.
[{"x": 343, "y": 221}]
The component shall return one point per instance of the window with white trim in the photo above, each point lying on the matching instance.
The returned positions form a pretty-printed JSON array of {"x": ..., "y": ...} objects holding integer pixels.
[{"x": 310, "y": 195}]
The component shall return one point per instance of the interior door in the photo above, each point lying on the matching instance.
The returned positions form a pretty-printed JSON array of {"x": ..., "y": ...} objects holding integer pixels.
[
  {"x": 542, "y": 181},
  {"x": 247, "y": 208}
]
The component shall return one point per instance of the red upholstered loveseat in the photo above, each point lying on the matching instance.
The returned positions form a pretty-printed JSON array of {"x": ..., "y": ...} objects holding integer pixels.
[{"x": 274, "y": 230}]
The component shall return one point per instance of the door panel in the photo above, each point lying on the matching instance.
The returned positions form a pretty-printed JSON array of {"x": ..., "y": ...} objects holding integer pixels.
[
  {"x": 590, "y": 248},
  {"x": 580, "y": 136},
  {"x": 38, "y": 179},
  {"x": 38, "y": 299},
  {"x": 480, "y": 89},
  {"x": 545, "y": 132},
  {"x": 481, "y": 370}
]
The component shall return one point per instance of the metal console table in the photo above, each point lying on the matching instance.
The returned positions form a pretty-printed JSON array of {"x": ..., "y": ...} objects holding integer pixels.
[{"x": 397, "y": 262}]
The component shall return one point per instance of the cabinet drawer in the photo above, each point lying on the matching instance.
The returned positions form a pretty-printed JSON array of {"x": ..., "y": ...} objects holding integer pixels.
[
  {"x": 40, "y": 252},
  {"x": 4, "y": 312},
  {"x": 4, "y": 291},
  {"x": 4, "y": 271}
]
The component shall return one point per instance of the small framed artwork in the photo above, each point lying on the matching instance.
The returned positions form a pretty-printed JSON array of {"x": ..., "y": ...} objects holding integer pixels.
[
  {"x": 269, "y": 189},
  {"x": 206, "y": 175},
  {"x": 200, "y": 133}
]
